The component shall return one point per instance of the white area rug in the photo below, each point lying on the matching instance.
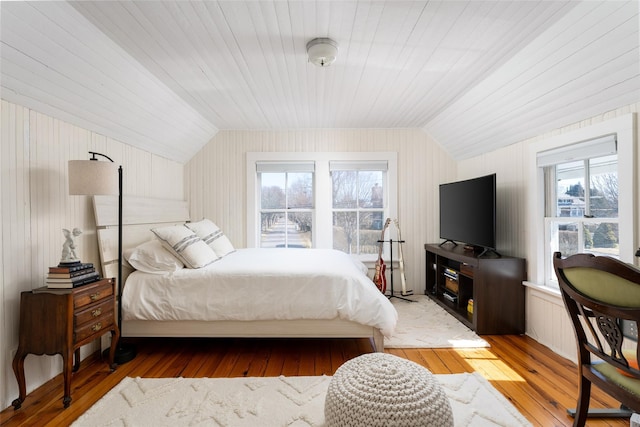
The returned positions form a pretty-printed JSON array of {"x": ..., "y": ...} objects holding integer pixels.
[
  {"x": 424, "y": 324},
  {"x": 275, "y": 401}
]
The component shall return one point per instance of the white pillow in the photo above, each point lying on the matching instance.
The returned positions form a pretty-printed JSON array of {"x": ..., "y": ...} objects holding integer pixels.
[
  {"x": 151, "y": 257},
  {"x": 185, "y": 245},
  {"x": 212, "y": 236}
]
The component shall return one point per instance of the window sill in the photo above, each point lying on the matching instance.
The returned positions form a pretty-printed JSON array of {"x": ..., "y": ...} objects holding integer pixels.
[{"x": 547, "y": 290}]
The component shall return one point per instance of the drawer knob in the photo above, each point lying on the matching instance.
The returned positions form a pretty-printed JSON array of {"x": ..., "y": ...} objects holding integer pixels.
[
  {"x": 97, "y": 312},
  {"x": 96, "y": 327},
  {"x": 95, "y": 296}
]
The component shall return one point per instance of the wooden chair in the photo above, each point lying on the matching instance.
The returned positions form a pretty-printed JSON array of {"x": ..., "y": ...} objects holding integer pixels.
[{"x": 599, "y": 293}]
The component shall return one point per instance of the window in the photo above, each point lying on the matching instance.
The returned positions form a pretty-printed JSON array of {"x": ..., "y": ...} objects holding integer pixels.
[
  {"x": 586, "y": 196},
  {"x": 320, "y": 200},
  {"x": 358, "y": 205},
  {"x": 286, "y": 204},
  {"x": 584, "y": 218},
  {"x": 581, "y": 199}
]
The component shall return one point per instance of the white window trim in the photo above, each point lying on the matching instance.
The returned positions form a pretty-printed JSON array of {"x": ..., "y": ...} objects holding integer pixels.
[
  {"x": 323, "y": 216},
  {"x": 624, "y": 128}
]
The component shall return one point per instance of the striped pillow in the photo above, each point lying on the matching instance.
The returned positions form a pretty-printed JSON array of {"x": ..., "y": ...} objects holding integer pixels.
[
  {"x": 185, "y": 245},
  {"x": 212, "y": 236}
]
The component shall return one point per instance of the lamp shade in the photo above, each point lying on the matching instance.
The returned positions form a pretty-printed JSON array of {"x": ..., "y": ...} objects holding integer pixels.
[{"x": 92, "y": 177}]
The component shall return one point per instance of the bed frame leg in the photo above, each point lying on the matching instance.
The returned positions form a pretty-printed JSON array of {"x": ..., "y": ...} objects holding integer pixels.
[{"x": 377, "y": 341}]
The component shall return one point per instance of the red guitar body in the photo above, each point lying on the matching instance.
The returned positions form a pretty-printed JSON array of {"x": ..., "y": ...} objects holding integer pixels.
[{"x": 379, "y": 278}]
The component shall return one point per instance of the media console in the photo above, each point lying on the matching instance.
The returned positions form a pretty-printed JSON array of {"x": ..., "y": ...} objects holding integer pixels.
[{"x": 455, "y": 275}]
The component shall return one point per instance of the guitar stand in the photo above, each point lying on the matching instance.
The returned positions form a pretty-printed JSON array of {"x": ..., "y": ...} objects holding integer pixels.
[{"x": 392, "y": 295}]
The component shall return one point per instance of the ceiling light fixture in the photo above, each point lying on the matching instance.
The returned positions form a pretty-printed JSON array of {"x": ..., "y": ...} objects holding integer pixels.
[{"x": 322, "y": 51}]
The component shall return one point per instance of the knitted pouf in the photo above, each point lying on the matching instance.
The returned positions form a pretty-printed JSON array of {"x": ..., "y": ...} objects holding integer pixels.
[{"x": 380, "y": 389}]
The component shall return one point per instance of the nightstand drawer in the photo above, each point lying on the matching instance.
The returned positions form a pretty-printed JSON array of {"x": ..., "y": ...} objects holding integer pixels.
[
  {"x": 93, "y": 293},
  {"x": 93, "y": 312},
  {"x": 97, "y": 326}
]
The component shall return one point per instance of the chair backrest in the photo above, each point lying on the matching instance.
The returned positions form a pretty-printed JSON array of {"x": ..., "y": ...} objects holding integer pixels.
[{"x": 599, "y": 293}]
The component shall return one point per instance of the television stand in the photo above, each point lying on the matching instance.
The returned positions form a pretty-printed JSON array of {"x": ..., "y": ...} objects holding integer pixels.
[
  {"x": 455, "y": 276},
  {"x": 448, "y": 240}
]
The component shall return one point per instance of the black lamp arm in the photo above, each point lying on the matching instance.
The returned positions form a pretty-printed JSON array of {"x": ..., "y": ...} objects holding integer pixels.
[{"x": 94, "y": 154}]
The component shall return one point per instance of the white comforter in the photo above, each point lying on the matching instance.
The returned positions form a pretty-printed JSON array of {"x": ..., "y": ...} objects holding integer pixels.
[{"x": 263, "y": 284}]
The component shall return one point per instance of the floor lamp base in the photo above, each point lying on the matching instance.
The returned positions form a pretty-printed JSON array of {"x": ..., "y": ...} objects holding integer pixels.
[{"x": 124, "y": 353}]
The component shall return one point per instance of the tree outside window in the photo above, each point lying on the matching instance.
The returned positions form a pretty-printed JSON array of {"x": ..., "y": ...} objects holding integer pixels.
[
  {"x": 586, "y": 216},
  {"x": 321, "y": 200},
  {"x": 286, "y": 209},
  {"x": 358, "y": 201}
]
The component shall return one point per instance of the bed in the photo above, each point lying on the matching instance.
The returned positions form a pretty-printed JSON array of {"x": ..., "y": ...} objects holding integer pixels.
[{"x": 248, "y": 293}]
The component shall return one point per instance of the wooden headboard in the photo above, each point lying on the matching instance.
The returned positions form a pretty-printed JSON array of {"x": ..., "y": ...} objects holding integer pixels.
[{"x": 139, "y": 215}]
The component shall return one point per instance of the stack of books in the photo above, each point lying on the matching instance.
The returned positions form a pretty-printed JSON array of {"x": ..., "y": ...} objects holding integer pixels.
[
  {"x": 71, "y": 275},
  {"x": 451, "y": 273}
]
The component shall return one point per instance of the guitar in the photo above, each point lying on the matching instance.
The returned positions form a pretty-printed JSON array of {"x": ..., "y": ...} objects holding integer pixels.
[
  {"x": 403, "y": 279},
  {"x": 379, "y": 278}
]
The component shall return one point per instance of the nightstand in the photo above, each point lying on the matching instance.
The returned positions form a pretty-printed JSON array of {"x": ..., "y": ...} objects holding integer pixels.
[{"x": 60, "y": 321}]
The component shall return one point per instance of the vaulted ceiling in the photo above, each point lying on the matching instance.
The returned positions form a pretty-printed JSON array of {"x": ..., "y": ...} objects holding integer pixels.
[{"x": 166, "y": 76}]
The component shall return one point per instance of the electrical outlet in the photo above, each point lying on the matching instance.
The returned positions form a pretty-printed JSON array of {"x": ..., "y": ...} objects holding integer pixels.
[{"x": 630, "y": 329}]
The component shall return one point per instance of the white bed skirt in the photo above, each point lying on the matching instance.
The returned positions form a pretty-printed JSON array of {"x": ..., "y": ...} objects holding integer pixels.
[{"x": 303, "y": 328}]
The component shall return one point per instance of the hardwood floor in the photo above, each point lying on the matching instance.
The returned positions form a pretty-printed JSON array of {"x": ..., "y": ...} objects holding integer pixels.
[{"x": 537, "y": 381}]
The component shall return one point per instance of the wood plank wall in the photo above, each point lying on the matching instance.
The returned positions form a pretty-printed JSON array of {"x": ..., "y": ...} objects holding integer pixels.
[
  {"x": 35, "y": 207},
  {"x": 216, "y": 183},
  {"x": 546, "y": 319}
]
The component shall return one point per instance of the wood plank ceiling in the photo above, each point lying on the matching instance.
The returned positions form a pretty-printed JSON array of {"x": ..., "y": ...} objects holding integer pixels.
[{"x": 165, "y": 76}]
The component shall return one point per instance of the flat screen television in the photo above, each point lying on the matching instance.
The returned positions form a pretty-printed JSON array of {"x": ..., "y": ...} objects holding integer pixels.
[{"x": 468, "y": 212}]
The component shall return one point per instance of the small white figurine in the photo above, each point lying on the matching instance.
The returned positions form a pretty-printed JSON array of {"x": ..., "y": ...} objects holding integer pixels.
[{"x": 69, "y": 246}]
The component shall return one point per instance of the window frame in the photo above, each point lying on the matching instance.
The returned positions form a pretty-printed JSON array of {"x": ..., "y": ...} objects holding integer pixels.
[
  {"x": 358, "y": 167},
  {"x": 322, "y": 235},
  {"x": 624, "y": 128},
  {"x": 581, "y": 221},
  {"x": 287, "y": 209}
]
